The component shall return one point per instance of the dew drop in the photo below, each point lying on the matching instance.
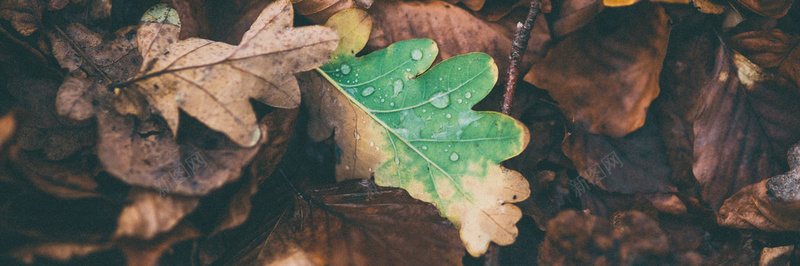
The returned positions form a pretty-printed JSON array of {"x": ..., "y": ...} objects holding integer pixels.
[
  {"x": 440, "y": 100},
  {"x": 396, "y": 160},
  {"x": 424, "y": 110},
  {"x": 460, "y": 100},
  {"x": 383, "y": 100},
  {"x": 356, "y": 135},
  {"x": 408, "y": 70},
  {"x": 368, "y": 91},
  {"x": 459, "y": 68},
  {"x": 347, "y": 167},
  {"x": 377, "y": 148},
  {"x": 454, "y": 156},
  {"x": 370, "y": 169},
  {"x": 356, "y": 76},
  {"x": 371, "y": 143},
  {"x": 391, "y": 104},
  {"x": 398, "y": 87},
  {"x": 440, "y": 79},
  {"x": 416, "y": 55},
  {"x": 345, "y": 68},
  {"x": 424, "y": 147},
  {"x": 468, "y": 95},
  {"x": 448, "y": 116}
]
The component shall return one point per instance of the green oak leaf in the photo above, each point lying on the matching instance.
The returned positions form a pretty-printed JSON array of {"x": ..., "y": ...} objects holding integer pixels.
[{"x": 416, "y": 130}]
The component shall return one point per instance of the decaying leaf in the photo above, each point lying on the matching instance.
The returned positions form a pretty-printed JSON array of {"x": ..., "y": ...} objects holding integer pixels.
[
  {"x": 475, "y": 5},
  {"x": 635, "y": 163},
  {"x": 214, "y": 81},
  {"x": 771, "y": 49},
  {"x": 417, "y": 131},
  {"x": 26, "y": 15},
  {"x": 8, "y": 124},
  {"x": 606, "y": 74},
  {"x": 151, "y": 213},
  {"x": 571, "y": 15},
  {"x": 577, "y": 238},
  {"x": 61, "y": 252},
  {"x": 320, "y": 11},
  {"x": 768, "y": 8},
  {"x": 356, "y": 223},
  {"x": 619, "y": 3},
  {"x": 771, "y": 205}
]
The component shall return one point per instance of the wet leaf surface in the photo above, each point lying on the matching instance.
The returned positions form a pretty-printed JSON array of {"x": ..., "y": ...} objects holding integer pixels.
[{"x": 418, "y": 132}]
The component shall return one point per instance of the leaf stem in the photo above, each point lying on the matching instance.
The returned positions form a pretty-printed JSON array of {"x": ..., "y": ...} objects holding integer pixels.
[{"x": 521, "y": 37}]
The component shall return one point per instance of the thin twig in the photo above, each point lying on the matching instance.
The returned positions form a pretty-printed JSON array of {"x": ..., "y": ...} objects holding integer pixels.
[{"x": 521, "y": 37}]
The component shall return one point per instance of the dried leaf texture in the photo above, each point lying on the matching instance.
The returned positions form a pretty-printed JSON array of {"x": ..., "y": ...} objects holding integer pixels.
[
  {"x": 739, "y": 132},
  {"x": 26, "y": 15},
  {"x": 771, "y": 205},
  {"x": 773, "y": 49},
  {"x": 214, "y": 81},
  {"x": 606, "y": 74},
  {"x": 636, "y": 163},
  {"x": 768, "y": 8},
  {"x": 320, "y": 11},
  {"x": 356, "y": 223}
]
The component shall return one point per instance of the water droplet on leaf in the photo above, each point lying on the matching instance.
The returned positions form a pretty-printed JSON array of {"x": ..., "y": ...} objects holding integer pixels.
[
  {"x": 396, "y": 160},
  {"x": 440, "y": 100},
  {"x": 416, "y": 55},
  {"x": 454, "y": 156},
  {"x": 345, "y": 68},
  {"x": 424, "y": 147},
  {"x": 448, "y": 116},
  {"x": 367, "y": 91},
  {"x": 468, "y": 95},
  {"x": 398, "y": 87}
]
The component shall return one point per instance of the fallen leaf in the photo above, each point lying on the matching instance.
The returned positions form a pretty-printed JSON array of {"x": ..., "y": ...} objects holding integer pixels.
[
  {"x": 447, "y": 25},
  {"x": 26, "y": 15},
  {"x": 633, "y": 164},
  {"x": 320, "y": 11},
  {"x": 571, "y": 15},
  {"x": 768, "y": 8},
  {"x": 771, "y": 205},
  {"x": 417, "y": 131},
  {"x": 619, "y": 3},
  {"x": 771, "y": 49},
  {"x": 606, "y": 74},
  {"x": 8, "y": 124},
  {"x": 577, "y": 238},
  {"x": 214, "y": 81},
  {"x": 357, "y": 223},
  {"x": 777, "y": 255},
  {"x": 150, "y": 214},
  {"x": 475, "y": 5},
  {"x": 139, "y": 252},
  {"x": 62, "y": 252},
  {"x": 764, "y": 122},
  {"x": 70, "y": 178}
]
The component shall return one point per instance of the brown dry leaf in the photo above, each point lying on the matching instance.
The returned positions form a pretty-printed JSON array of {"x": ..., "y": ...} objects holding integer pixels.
[
  {"x": 151, "y": 213},
  {"x": 475, "y": 5},
  {"x": 8, "y": 124},
  {"x": 571, "y": 15},
  {"x": 26, "y": 15},
  {"x": 740, "y": 134},
  {"x": 768, "y": 8},
  {"x": 58, "y": 251},
  {"x": 580, "y": 239},
  {"x": 214, "y": 81},
  {"x": 635, "y": 163},
  {"x": 777, "y": 255},
  {"x": 358, "y": 223},
  {"x": 771, "y": 205},
  {"x": 772, "y": 49},
  {"x": 141, "y": 252},
  {"x": 145, "y": 154},
  {"x": 70, "y": 178},
  {"x": 447, "y": 25},
  {"x": 606, "y": 74},
  {"x": 320, "y": 10},
  {"x": 731, "y": 134}
]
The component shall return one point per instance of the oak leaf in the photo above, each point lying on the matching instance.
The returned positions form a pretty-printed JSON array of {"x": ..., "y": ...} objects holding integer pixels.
[
  {"x": 214, "y": 81},
  {"x": 417, "y": 131}
]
